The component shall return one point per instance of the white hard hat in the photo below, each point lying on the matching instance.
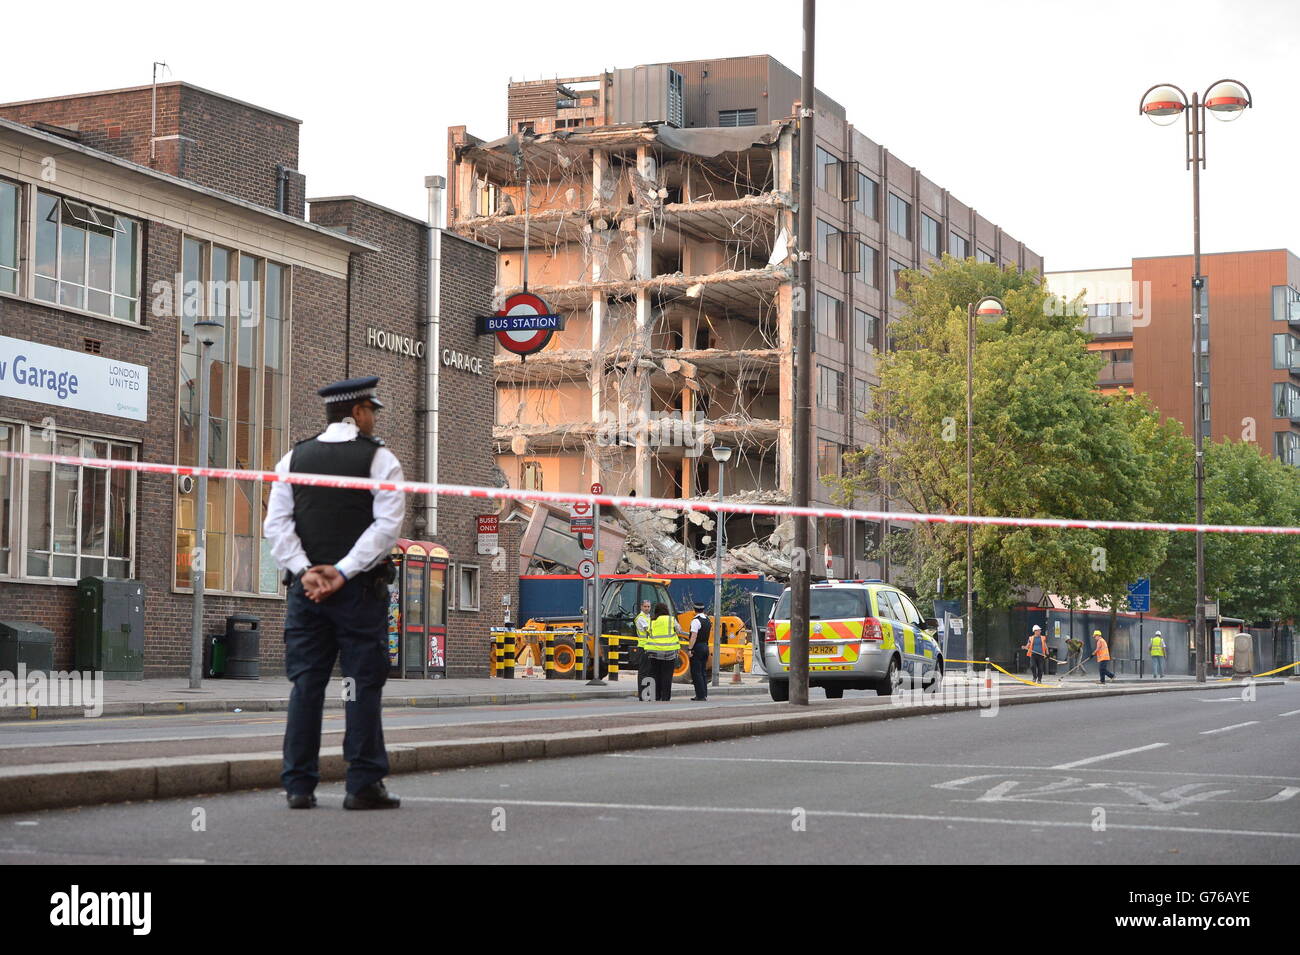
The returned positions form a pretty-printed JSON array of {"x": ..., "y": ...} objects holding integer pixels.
[
  {"x": 1037, "y": 627},
  {"x": 1157, "y": 633}
]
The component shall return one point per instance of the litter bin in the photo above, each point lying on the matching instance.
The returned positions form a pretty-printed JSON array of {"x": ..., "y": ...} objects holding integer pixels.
[
  {"x": 214, "y": 655},
  {"x": 26, "y": 643},
  {"x": 243, "y": 641},
  {"x": 1052, "y": 662}
]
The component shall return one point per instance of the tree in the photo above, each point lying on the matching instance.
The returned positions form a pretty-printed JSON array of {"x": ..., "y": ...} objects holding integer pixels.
[
  {"x": 1046, "y": 443},
  {"x": 1254, "y": 576}
]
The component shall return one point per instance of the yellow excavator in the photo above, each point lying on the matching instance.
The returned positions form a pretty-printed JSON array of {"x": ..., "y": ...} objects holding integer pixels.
[{"x": 620, "y": 603}]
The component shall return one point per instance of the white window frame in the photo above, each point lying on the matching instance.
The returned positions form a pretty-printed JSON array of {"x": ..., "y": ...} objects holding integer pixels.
[
  {"x": 17, "y": 269},
  {"x": 21, "y": 529},
  {"x": 62, "y": 200},
  {"x": 478, "y": 588}
]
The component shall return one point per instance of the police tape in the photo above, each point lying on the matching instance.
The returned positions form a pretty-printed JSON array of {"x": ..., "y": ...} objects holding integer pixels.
[
  {"x": 1289, "y": 666},
  {"x": 613, "y": 500},
  {"x": 989, "y": 663}
]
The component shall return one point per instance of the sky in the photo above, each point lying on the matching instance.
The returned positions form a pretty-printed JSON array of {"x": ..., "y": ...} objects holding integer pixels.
[{"x": 1026, "y": 110}]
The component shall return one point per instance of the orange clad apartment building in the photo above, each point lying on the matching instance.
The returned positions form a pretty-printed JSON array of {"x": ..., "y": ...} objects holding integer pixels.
[{"x": 1141, "y": 319}]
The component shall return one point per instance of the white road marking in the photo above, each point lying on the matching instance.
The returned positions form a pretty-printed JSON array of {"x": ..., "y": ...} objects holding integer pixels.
[
  {"x": 836, "y": 814},
  {"x": 1234, "y": 726},
  {"x": 1098, "y": 759},
  {"x": 873, "y": 762},
  {"x": 1289, "y": 713}
]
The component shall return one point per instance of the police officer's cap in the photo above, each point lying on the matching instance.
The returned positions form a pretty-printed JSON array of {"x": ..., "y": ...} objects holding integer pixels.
[
  {"x": 698, "y": 605},
  {"x": 352, "y": 391}
]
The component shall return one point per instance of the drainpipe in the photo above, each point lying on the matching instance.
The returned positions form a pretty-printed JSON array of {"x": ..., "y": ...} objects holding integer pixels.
[{"x": 433, "y": 349}]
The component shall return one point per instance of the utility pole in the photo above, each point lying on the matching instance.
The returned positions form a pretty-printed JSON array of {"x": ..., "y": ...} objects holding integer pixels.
[
  {"x": 802, "y": 451},
  {"x": 206, "y": 329}
]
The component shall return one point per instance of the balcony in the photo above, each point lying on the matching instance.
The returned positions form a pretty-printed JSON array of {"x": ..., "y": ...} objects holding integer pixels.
[
  {"x": 1115, "y": 373},
  {"x": 1294, "y": 363},
  {"x": 1109, "y": 326}
]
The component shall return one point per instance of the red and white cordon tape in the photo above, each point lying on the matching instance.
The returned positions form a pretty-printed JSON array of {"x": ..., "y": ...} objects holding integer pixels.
[{"x": 608, "y": 500}]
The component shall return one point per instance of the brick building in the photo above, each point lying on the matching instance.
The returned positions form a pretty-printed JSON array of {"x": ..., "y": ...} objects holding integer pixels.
[{"x": 125, "y": 217}]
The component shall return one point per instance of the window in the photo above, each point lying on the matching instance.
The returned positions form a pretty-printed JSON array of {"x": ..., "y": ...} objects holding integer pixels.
[
  {"x": 830, "y": 459},
  {"x": 1286, "y": 400},
  {"x": 900, "y": 216},
  {"x": 8, "y": 237},
  {"x": 86, "y": 258},
  {"x": 958, "y": 247},
  {"x": 897, "y": 284},
  {"x": 79, "y": 521},
  {"x": 825, "y": 242},
  {"x": 1286, "y": 351},
  {"x": 248, "y": 426},
  {"x": 737, "y": 117},
  {"x": 930, "y": 235},
  {"x": 868, "y": 196},
  {"x": 830, "y": 316},
  {"x": 864, "y": 329},
  {"x": 1286, "y": 304},
  {"x": 861, "y": 396},
  {"x": 1286, "y": 445},
  {"x": 867, "y": 265},
  {"x": 982, "y": 256},
  {"x": 467, "y": 587},
  {"x": 830, "y": 389},
  {"x": 827, "y": 172}
]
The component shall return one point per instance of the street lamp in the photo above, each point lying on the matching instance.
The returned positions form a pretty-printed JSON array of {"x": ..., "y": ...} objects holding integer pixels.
[
  {"x": 206, "y": 329},
  {"x": 990, "y": 310},
  {"x": 722, "y": 455},
  {"x": 1226, "y": 100}
]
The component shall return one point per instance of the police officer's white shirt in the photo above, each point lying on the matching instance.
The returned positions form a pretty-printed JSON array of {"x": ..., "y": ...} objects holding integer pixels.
[{"x": 377, "y": 540}]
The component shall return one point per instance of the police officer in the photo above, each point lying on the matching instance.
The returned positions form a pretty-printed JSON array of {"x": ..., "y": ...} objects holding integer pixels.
[
  {"x": 643, "y": 662},
  {"x": 333, "y": 544},
  {"x": 701, "y": 630}
]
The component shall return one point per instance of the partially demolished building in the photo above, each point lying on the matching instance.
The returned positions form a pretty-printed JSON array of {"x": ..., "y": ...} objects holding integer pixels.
[{"x": 659, "y": 205}]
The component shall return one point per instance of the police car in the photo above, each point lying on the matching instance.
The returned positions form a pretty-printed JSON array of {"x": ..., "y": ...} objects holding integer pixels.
[{"x": 863, "y": 635}]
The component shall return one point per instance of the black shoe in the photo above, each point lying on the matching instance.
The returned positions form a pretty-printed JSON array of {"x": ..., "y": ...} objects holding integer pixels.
[
  {"x": 301, "y": 800},
  {"x": 374, "y": 796},
  {"x": 699, "y": 699}
]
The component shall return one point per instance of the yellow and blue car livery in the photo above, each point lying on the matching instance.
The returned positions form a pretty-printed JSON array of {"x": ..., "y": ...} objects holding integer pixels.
[{"x": 862, "y": 635}]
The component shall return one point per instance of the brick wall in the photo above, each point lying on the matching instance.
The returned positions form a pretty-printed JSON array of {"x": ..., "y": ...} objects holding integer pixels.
[
  {"x": 215, "y": 142},
  {"x": 388, "y": 293}
]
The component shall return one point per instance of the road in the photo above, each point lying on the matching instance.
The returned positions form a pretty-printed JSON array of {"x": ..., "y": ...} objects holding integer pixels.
[{"x": 1194, "y": 777}]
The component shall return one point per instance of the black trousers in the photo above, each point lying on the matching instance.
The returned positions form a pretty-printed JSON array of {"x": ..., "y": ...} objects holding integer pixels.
[
  {"x": 1036, "y": 666},
  {"x": 644, "y": 676},
  {"x": 661, "y": 672},
  {"x": 700, "y": 672},
  {"x": 352, "y": 626}
]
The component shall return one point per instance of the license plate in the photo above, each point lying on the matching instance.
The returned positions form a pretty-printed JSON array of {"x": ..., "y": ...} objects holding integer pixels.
[{"x": 824, "y": 649}]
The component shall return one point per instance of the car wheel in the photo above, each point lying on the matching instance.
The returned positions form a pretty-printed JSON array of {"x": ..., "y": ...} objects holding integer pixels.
[
  {"x": 780, "y": 690},
  {"x": 936, "y": 677},
  {"x": 893, "y": 680},
  {"x": 834, "y": 692}
]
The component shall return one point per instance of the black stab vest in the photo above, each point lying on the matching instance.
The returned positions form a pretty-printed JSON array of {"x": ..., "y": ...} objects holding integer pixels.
[{"x": 329, "y": 519}]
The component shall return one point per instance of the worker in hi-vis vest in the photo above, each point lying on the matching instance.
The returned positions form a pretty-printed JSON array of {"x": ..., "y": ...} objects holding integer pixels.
[
  {"x": 1101, "y": 650},
  {"x": 662, "y": 648},
  {"x": 643, "y": 620},
  {"x": 1158, "y": 655},
  {"x": 1036, "y": 650}
]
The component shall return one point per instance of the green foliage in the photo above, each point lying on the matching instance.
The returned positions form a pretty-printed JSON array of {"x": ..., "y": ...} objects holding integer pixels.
[
  {"x": 1254, "y": 576},
  {"x": 1046, "y": 443}
]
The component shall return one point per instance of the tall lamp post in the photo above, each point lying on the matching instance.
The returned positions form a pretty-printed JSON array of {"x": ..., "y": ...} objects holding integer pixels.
[
  {"x": 1162, "y": 104},
  {"x": 722, "y": 455},
  {"x": 989, "y": 309},
  {"x": 207, "y": 330}
]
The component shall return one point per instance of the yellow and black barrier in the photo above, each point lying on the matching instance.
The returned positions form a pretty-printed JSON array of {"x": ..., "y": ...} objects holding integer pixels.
[{"x": 505, "y": 643}]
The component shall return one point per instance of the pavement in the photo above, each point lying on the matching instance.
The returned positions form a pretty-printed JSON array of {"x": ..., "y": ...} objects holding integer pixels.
[{"x": 1126, "y": 776}]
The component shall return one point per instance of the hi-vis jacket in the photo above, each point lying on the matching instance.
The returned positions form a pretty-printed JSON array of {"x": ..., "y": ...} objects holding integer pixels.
[
  {"x": 663, "y": 636},
  {"x": 1157, "y": 646}
]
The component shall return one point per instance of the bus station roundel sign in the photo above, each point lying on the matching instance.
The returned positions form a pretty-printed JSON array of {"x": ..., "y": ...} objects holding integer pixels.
[{"x": 525, "y": 341}]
